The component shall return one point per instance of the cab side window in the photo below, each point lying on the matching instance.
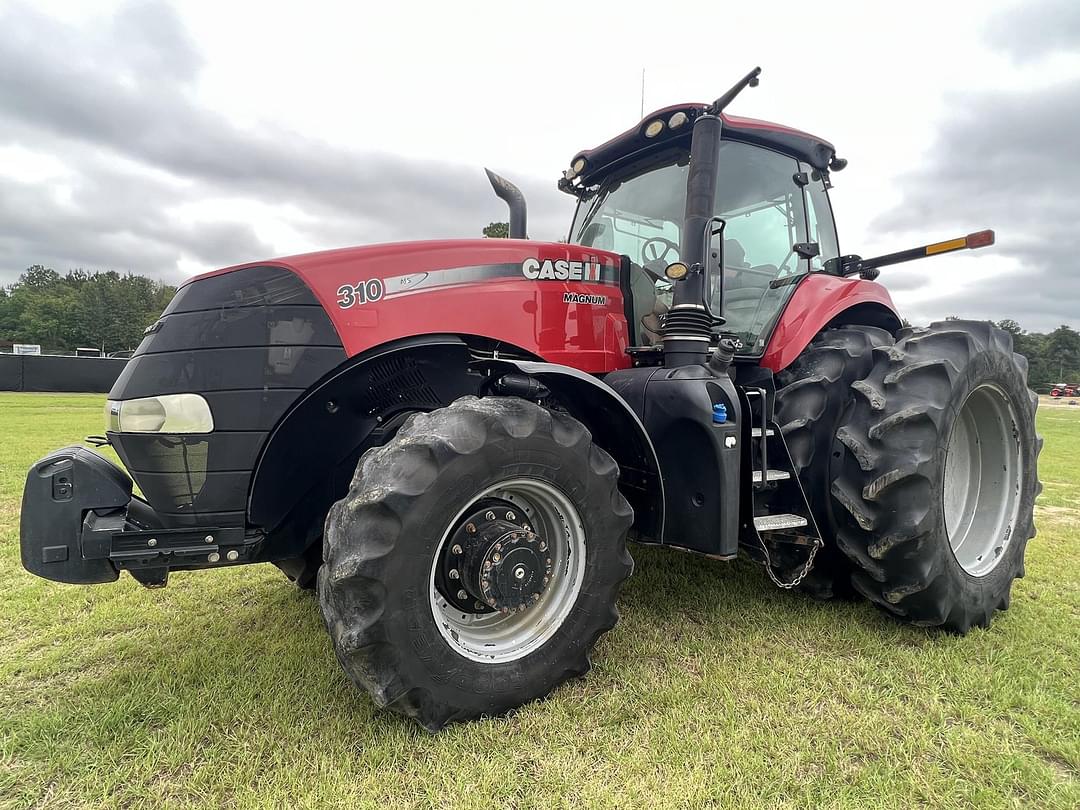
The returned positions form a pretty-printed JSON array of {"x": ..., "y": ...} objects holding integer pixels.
[
  {"x": 820, "y": 218},
  {"x": 762, "y": 207}
]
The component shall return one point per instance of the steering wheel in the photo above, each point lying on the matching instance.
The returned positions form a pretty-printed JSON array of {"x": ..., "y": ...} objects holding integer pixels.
[{"x": 658, "y": 248}]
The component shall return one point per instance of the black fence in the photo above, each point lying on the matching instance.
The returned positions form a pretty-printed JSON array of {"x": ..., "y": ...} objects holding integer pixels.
[{"x": 30, "y": 372}]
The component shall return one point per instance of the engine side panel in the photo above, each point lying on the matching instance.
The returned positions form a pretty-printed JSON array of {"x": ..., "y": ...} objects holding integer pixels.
[{"x": 819, "y": 300}]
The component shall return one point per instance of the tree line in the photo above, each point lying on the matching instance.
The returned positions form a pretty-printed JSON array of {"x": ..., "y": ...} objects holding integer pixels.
[
  {"x": 109, "y": 311},
  {"x": 106, "y": 311},
  {"x": 1053, "y": 357}
]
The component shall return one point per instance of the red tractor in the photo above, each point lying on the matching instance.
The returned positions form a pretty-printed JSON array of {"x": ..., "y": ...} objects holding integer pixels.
[
  {"x": 453, "y": 440},
  {"x": 1064, "y": 390}
]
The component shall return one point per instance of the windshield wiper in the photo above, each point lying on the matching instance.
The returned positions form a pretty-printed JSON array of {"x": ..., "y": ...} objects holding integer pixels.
[{"x": 587, "y": 221}]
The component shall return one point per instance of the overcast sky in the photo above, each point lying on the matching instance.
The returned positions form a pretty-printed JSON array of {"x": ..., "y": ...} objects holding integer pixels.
[{"x": 168, "y": 139}]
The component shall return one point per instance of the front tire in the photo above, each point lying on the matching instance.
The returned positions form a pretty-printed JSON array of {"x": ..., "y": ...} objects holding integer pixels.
[
  {"x": 413, "y": 591},
  {"x": 937, "y": 490}
]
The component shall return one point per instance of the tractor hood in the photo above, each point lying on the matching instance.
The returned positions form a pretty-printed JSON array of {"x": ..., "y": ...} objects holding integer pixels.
[
  {"x": 486, "y": 287},
  {"x": 245, "y": 343}
]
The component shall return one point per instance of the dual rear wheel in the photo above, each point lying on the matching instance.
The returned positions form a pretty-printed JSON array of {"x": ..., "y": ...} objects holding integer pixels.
[{"x": 921, "y": 469}]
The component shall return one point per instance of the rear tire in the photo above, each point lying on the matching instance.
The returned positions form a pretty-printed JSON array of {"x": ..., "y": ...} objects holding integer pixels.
[
  {"x": 812, "y": 394},
  {"x": 936, "y": 494},
  {"x": 429, "y": 652}
]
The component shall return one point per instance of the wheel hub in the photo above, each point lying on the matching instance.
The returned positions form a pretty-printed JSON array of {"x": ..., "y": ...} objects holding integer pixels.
[
  {"x": 495, "y": 561},
  {"x": 982, "y": 480}
]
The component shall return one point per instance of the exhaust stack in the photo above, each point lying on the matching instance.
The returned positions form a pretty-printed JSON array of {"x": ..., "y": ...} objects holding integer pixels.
[{"x": 514, "y": 199}]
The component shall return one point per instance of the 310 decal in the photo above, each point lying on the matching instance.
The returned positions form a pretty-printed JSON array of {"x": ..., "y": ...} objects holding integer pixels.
[{"x": 363, "y": 292}]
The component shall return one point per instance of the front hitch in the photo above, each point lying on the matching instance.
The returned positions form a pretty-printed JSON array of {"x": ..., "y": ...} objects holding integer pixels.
[{"x": 80, "y": 524}]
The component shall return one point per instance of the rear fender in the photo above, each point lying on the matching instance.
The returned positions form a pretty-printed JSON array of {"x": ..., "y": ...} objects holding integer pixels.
[{"x": 823, "y": 300}]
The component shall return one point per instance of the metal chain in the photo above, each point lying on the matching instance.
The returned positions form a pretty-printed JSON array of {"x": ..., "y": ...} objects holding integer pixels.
[{"x": 801, "y": 575}]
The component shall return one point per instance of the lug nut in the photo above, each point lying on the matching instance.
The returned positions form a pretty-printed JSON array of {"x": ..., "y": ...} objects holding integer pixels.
[
  {"x": 496, "y": 556},
  {"x": 470, "y": 528},
  {"x": 543, "y": 545},
  {"x": 454, "y": 574},
  {"x": 455, "y": 549},
  {"x": 519, "y": 572},
  {"x": 213, "y": 557},
  {"x": 489, "y": 515},
  {"x": 152, "y": 542},
  {"x": 487, "y": 566},
  {"x": 462, "y": 595},
  {"x": 209, "y": 538},
  {"x": 233, "y": 554},
  {"x": 511, "y": 516},
  {"x": 479, "y": 605},
  {"x": 527, "y": 527},
  {"x": 491, "y": 602}
]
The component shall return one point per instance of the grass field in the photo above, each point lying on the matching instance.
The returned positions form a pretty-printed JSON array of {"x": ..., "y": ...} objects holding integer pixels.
[{"x": 715, "y": 689}]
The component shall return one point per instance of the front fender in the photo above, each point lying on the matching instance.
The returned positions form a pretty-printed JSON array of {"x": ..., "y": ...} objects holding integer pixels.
[
  {"x": 614, "y": 427},
  {"x": 311, "y": 453}
]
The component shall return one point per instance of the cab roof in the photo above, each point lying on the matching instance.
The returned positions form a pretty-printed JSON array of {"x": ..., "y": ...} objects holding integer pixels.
[{"x": 633, "y": 144}]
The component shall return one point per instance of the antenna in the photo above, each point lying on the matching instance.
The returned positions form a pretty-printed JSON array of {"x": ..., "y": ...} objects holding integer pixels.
[{"x": 642, "y": 93}]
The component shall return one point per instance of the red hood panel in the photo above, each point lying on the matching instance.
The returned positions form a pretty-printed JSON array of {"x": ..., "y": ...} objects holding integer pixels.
[{"x": 557, "y": 301}]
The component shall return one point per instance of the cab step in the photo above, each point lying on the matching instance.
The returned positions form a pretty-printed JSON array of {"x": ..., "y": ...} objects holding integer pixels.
[
  {"x": 772, "y": 475},
  {"x": 775, "y": 523}
]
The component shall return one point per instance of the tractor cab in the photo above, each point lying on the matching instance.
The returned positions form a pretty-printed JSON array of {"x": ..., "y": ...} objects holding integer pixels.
[{"x": 771, "y": 204}]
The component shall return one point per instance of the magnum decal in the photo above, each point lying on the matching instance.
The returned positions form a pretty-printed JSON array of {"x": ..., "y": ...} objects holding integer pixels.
[
  {"x": 561, "y": 270},
  {"x": 583, "y": 298}
]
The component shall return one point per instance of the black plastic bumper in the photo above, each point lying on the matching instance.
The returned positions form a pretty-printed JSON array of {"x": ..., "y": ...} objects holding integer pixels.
[{"x": 80, "y": 524}]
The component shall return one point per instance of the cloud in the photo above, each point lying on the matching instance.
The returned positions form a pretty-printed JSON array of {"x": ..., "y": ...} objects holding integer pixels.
[
  {"x": 1007, "y": 160},
  {"x": 124, "y": 95},
  {"x": 1032, "y": 31}
]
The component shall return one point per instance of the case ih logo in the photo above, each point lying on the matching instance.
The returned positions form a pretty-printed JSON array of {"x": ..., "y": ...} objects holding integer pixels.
[{"x": 560, "y": 270}]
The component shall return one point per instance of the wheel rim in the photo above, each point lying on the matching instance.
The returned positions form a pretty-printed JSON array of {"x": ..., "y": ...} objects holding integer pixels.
[
  {"x": 497, "y": 637},
  {"x": 983, "y": 474}
]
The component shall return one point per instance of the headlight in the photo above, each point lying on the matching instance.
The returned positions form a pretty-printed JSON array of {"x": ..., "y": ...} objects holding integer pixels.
[{"x": 169, "y": 413}]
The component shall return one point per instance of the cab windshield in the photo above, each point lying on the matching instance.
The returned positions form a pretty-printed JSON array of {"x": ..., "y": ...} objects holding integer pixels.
[{"x": 640, "y": 215}]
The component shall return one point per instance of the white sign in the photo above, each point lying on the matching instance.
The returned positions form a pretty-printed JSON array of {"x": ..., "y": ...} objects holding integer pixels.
[{"x": 26, "y": 348}]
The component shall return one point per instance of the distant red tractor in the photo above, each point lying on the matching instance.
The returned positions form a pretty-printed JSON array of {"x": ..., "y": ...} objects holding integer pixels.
[
  {"x": 1065, "y": 390},
  {"x": 452, "y": 440}
]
